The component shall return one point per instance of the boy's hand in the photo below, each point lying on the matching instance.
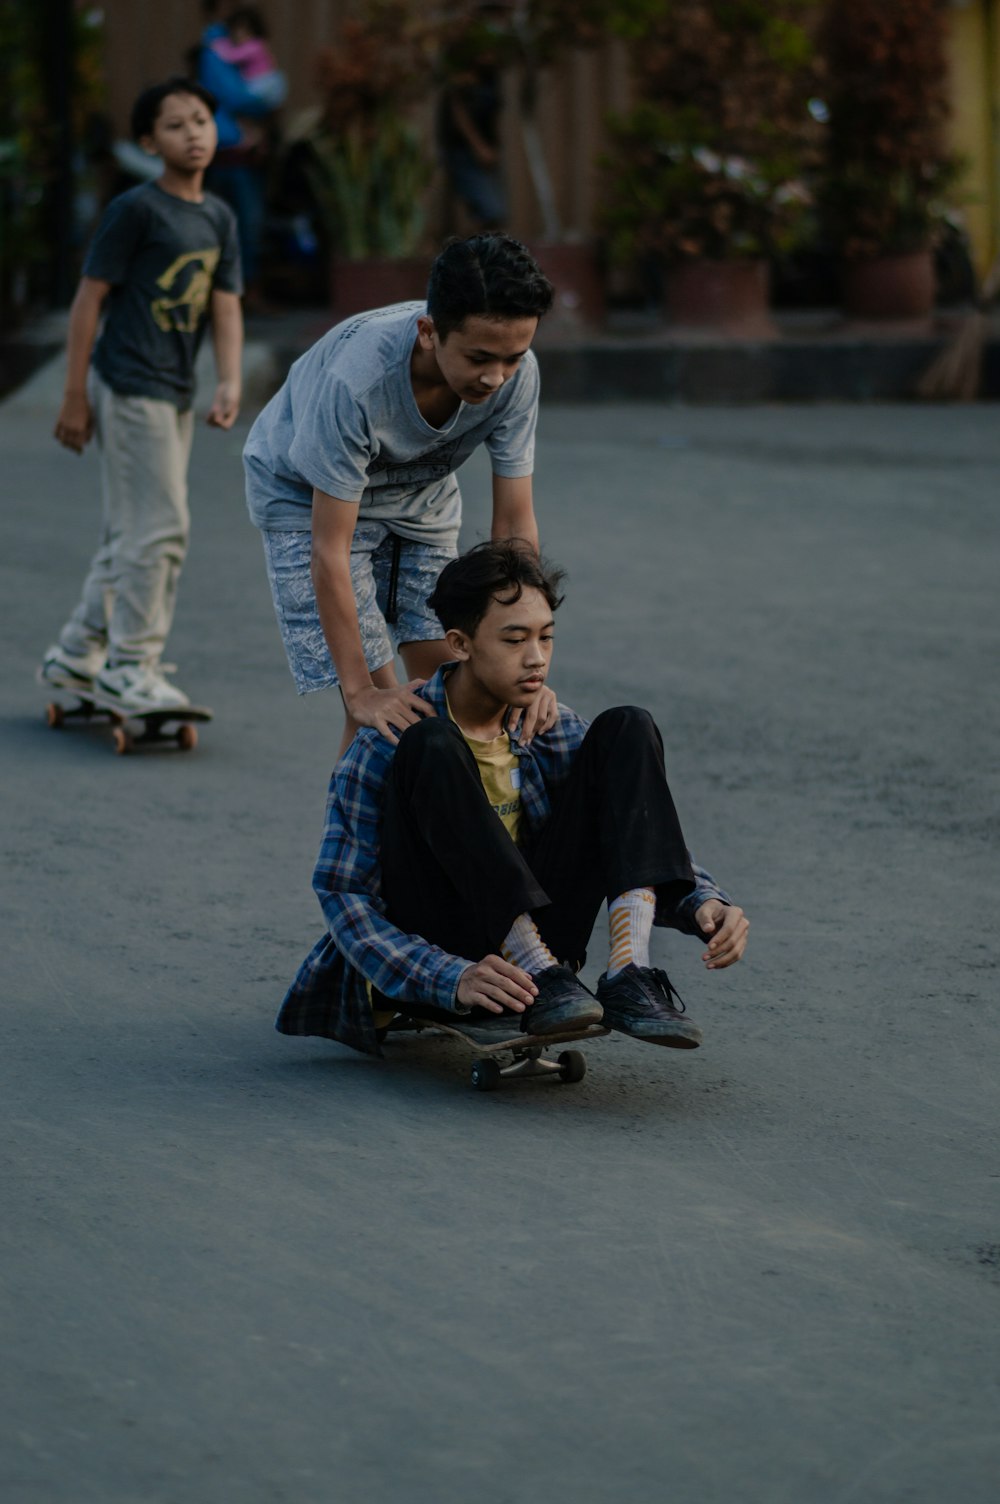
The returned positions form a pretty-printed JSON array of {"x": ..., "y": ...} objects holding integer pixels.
[
  {"x": 494, "y": 984},
  {"x": 384, "y": 709},
  {"x": 225, "y": 405},
  {"x": 539, "y": 717},
  {"x": 75, "y": 423},
  {"x": 728, "y": 927}
]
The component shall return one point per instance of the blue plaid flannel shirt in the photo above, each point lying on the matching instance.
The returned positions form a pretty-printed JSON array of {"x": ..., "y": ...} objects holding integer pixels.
[{"x": 329, "y": 996}]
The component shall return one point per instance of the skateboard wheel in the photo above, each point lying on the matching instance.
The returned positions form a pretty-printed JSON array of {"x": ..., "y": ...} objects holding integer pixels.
[
  {"x": 121, "y": 739},
  {"x": 485, "y": 1075},
  {"x": 55, "y": 716},
  {"x": 187, "y": 737},
  {"x": 572, "y": 1065}
]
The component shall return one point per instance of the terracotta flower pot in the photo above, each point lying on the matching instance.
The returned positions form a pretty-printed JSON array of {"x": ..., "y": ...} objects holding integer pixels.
[
  {"x": 728, "y": 295},
  {"x": 890, "y": 287},
  {"x": 356, "y": 286},
  {"x": 573, "y": 271}
]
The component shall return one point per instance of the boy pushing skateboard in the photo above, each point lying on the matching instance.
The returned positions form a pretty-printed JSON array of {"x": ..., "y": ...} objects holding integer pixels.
[
  {"x": 462, "y": 868},
  {"x": 351, "y": 473}
]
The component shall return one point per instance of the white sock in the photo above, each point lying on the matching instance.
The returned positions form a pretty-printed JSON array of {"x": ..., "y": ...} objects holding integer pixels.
[
  {"x": 630, "y": 919},
  {"x": 525, "y": 947}
]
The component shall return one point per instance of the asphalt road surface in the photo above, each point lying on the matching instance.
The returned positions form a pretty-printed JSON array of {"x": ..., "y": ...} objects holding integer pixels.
[{"x": 239, "y": 1267}]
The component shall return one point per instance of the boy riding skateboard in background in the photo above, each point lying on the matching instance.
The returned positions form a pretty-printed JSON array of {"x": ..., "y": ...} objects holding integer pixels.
[
  {"x": 462, "y": 869},
  {"x": 351, "y": 474},
  {"x": 163, "y": 264}
]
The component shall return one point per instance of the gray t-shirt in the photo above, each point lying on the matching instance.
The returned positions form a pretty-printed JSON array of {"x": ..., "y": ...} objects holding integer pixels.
[
  {"x": 163, "y": 257},
  {"x": 346, "y": 422}
]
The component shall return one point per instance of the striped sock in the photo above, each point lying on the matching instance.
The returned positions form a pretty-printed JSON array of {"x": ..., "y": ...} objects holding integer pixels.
[
  {"x": 525, "y": 947},
  {"x": 630, "y": 917}
]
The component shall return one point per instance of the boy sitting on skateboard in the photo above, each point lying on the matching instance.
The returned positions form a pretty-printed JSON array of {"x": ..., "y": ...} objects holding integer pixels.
[{"x": 461, "y": 870}]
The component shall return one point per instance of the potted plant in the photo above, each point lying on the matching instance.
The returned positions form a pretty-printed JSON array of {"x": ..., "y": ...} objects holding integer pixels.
[
  {"x": 888, "y": 168},
  {"x": 708, "y": 172},
  {"x": 366, "y": 162}
]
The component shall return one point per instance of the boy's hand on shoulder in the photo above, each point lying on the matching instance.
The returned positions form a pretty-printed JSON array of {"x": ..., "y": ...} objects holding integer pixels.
[
  {"x": 388, "y": 710},
  {"x": 75, "y": 423},
  {"x": 225, "y": 405},
  {"x": 729, "y": 928},
  {"x": 539, "y": 717}
]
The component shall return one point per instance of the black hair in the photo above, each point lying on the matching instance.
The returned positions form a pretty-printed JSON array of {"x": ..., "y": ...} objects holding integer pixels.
[
  {"x": 147, "y": 107},
  {"x": 491, "y": 572},
  {"x": 250, "y": 17},
  {"x": 491, "y": 276}
]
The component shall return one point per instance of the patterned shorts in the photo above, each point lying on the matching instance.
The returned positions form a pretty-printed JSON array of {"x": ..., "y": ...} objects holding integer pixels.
[{"x": 392, "y": 578}]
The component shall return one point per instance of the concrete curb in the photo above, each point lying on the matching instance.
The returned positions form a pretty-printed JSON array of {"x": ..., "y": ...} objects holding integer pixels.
[
  {"x": 737, "y": 371},
  {"x": 842, "y": 367}
]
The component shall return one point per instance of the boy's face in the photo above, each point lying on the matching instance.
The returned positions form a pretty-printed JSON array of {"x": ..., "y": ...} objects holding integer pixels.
[
  {"x": 511, "y": 649},
  {"x": 478, "y": 357},
  {"x": 183, "y": 134}
]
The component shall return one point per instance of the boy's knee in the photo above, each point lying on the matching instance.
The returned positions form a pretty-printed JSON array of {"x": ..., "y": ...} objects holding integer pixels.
[
  {"x": 431, "y": 731},
  {"x": 629, "y": 720},
  {"x": 430, "y": 739}
]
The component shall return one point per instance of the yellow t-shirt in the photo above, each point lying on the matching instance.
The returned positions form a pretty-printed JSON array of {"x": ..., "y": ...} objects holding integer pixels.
[{"x": 500, "y": 775}]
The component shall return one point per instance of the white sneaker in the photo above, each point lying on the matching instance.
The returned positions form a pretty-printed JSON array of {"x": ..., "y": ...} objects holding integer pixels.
[
  {"x": 135, "y": 688},
  {"x": 62, "y": 670}
]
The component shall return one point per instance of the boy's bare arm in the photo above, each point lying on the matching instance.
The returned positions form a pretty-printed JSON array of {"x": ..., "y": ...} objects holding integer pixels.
[
  {"x": 227, "y": 341},
  {"x": 333, "y": 523},
  {"x": 75, "y": 423},
  {"x": 513, "y": 509}
]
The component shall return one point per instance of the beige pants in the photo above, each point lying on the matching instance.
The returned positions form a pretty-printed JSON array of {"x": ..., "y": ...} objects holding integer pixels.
[{"x": 128, "y": 599}]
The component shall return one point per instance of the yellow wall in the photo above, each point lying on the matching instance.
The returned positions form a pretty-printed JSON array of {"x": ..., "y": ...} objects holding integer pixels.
[{"x": 974, "y": 60}]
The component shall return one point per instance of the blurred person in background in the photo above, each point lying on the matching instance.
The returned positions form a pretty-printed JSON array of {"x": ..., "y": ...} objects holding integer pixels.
[
  {"x": 468, "y": 127},
  {"x": 235, "y": 64}
]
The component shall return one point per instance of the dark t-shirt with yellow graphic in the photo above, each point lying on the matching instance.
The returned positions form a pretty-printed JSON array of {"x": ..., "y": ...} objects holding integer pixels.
[{"x": 163, "y": 257}]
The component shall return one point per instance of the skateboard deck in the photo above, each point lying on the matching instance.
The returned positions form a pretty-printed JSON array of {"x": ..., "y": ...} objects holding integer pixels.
[
  {"x": 132, "y": 730},
  {"x": 527, "y": 1050}
]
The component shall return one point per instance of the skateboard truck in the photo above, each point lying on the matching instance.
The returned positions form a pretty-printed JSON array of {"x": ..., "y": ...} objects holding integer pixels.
[
  {"x": 156, "y": 727},
  {"x": 527, "y": 1051},
  {"x": 487, "y": 1074}
]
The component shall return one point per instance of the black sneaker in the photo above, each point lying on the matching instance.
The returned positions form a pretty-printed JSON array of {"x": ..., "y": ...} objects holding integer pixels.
[
  {"x": 640, "y": 1000},
  {"x": 562, "y": 1004}
]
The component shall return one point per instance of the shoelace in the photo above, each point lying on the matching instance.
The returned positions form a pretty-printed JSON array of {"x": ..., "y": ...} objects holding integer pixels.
[{"x": 668, "y": 989}]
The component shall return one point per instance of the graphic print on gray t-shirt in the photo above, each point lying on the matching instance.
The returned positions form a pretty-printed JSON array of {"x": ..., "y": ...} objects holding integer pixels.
[
  {"x": 433, "y": 464},
  {"x": 346, "y": 423},
  {"x": 164, "y": 256}
]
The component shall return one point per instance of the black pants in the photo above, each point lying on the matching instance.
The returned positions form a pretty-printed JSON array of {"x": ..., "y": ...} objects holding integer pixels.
[{"x": 451, "y": 873}]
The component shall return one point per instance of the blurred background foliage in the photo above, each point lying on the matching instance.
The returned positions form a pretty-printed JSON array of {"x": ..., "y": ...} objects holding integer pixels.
[
  {"x": 40, "y": 120},
  {"x": 716, "y": 158},
  {"x": 754, "y": 128},
  {"x": 888, "y": 171},
  {"x": 367, "y": 163}
]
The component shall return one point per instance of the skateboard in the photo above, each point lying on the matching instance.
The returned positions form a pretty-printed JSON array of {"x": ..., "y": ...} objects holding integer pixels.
[
  {"x": 155, "y": 727},
  {"x": 527, "y": 1051}
]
